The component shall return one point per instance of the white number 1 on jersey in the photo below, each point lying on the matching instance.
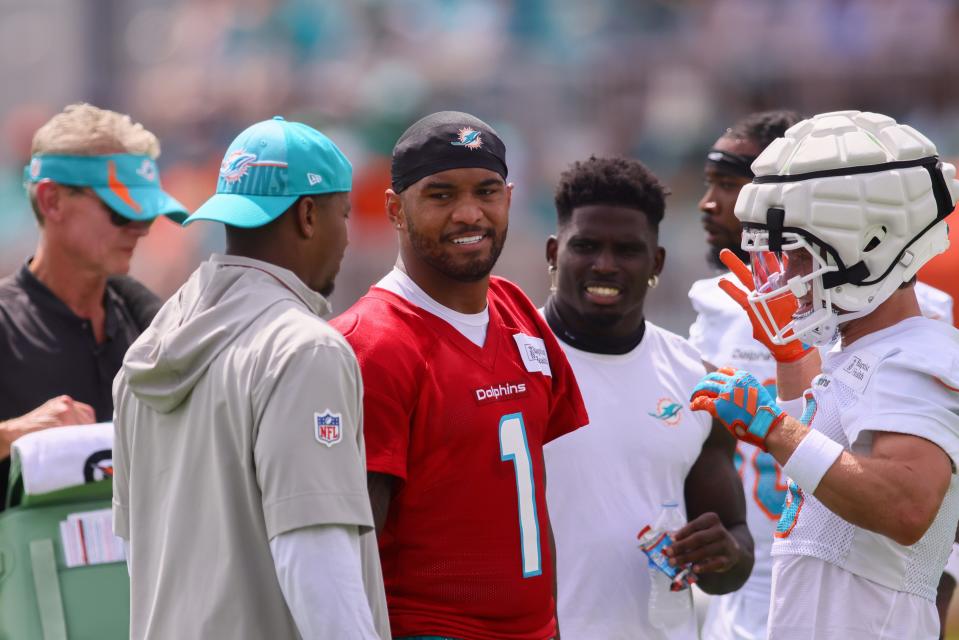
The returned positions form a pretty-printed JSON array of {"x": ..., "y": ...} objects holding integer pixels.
[{"x": 514, "y": 446}]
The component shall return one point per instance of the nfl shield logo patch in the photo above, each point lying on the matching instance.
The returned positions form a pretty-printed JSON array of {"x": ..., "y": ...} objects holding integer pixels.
[{"x": 326, "y": 426}]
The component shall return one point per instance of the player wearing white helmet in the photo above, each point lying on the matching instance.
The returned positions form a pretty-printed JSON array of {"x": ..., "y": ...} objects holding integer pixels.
[
  {"x": 724, "y": 337},
  {"x": 842, "y": 213}
]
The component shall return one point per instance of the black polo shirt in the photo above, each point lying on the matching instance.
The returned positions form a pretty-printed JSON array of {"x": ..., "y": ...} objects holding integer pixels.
[{"x": 46, "y": 350}]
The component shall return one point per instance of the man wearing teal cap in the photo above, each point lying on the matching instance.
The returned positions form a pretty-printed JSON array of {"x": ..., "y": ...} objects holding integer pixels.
[
  {"x": 240, "y": 478},
  {"x": 68, "y": 314}
]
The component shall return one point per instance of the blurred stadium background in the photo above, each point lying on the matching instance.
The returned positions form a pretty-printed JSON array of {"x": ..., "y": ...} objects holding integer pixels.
[{"x": 559, "y": 79}]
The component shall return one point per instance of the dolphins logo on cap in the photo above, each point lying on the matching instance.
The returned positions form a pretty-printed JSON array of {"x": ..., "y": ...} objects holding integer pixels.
[
  {"x": 147, "y": 170},
  {"x": 468, "y": 137},
  {"x": 236, "y": 165}
]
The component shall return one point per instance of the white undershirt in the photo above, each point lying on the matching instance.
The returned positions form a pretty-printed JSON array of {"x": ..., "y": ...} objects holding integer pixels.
[
  {"x": 471, "y": 325},
  {"x": 319, "y": 564},
  {"x": 321, "y": 578}
]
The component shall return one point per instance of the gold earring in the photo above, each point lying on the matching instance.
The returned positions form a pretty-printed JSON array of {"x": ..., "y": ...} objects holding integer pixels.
[
  {"x": 653, "y": 281},
  {"x": 552, "y": 278}
]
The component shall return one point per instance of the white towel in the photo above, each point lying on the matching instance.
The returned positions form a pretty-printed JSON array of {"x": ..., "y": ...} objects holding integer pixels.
[{"x": 63, "y": 457}]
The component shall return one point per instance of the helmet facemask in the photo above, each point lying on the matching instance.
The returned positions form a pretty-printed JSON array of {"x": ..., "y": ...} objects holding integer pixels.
[{"x": 791, "y": 278}]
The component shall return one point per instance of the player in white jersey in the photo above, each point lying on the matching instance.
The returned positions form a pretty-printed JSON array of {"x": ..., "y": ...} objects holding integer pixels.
[
  {"x": 643, "y": 447},
  {"x": 843, "y": 212},
  {"x": 724, "y": 336}
]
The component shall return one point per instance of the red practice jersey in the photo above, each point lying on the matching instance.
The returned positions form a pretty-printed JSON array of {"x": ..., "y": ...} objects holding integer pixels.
[{"x": 465, "y": 549}]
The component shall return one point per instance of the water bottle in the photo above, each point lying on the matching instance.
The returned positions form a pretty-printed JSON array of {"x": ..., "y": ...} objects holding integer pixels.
[{"x": 668, "y": 609}]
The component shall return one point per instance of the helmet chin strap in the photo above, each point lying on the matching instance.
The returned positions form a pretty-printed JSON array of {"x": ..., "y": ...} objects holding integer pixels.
[
  {"x": 775, "y": 217},
  {"x": 821, "y": 330},
  {"x": 826, "y": 333},
  {"x": 820, "y": 336}
]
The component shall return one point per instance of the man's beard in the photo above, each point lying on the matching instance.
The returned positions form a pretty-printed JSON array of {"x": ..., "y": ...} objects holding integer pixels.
[
  {"x": 432, "y": 253},
  {"x": 712, "y": 257}
]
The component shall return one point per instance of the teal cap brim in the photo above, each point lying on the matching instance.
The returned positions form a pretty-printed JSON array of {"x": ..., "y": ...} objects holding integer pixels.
[
  {"x": 149, "y": 201},
  {"x": 242, "y": 210}
]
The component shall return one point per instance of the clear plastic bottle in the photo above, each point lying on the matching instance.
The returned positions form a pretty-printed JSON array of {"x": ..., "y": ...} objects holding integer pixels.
[{"x": 668, "y": 609}]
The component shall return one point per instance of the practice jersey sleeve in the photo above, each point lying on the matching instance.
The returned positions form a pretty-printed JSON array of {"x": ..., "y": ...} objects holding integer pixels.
[
  {"x": 568, "y": 411},
  {"x": 689, "y": 360},
  {"x": 901, "y": 398},
  {"x": 392, "y": 369},
  {"x": 308, "y": 441},
  {"x": 697, "y": 337},
  {"x": 705, "y": 334},
  {"x": 933, "y": 303}
]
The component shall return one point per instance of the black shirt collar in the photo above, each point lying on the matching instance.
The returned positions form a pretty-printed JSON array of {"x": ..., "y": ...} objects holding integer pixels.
[
  {"x": 41, "y": 296},
  {"x": 606, "y": 345},
  {"x": 38, "y": 292}
]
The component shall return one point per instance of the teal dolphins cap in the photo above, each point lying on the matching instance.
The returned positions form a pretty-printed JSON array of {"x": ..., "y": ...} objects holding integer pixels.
[
  {"x": 268, "y": 167},
  {"x": 127, "y": 183}
]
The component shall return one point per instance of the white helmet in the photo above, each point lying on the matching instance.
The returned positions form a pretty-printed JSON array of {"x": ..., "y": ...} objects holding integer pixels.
[{"x": 843, "y": 210}]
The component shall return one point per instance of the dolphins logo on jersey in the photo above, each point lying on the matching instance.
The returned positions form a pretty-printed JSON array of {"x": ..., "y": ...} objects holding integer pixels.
[
  {"x": 236, "y": 165},
  {"x": 668, "y": 410},
  {"x": 468, "y": 137}
]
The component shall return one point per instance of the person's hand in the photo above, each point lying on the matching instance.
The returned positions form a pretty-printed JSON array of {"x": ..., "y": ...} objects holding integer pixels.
[
  {"x": 706, "y": 544},
  {"x": 781, "y": 308},
  {"x": 739, "y": 402},
  {"x": 55, "y": 412}
]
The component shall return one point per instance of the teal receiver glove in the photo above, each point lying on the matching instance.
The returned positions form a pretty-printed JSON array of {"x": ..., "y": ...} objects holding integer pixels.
[{"x": 740, "y": 403}]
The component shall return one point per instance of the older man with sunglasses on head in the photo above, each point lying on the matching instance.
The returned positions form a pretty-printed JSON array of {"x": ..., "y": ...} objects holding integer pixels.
[{"x": 68, "y": 314}]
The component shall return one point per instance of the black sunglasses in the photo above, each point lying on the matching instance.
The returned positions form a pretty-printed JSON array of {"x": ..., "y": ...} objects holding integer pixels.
[{"x": 116, "y": 219}]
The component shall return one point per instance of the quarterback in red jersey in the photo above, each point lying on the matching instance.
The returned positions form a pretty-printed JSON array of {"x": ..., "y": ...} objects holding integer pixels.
[{"x": 464, "y": 384}]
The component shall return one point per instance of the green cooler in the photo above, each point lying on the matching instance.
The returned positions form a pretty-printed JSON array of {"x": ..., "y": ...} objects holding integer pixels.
[{"x": 40, "y": 597}]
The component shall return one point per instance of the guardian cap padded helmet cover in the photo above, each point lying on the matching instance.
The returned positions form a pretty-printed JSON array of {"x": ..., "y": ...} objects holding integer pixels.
[{"x": 867, "y": 197}]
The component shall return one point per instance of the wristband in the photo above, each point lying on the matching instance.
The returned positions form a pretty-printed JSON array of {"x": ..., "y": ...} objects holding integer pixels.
[{"x": 811, "y": 460}]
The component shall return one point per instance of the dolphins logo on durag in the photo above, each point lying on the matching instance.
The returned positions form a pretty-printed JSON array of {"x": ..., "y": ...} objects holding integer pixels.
[{"x": 468, "y": 137}]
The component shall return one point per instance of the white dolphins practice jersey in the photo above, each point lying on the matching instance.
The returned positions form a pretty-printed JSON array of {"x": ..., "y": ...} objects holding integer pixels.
[
  {"x": 607, "y": 480},
  {"x": 902, "y": 379},
  {"x": 723, "y": 334}
]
